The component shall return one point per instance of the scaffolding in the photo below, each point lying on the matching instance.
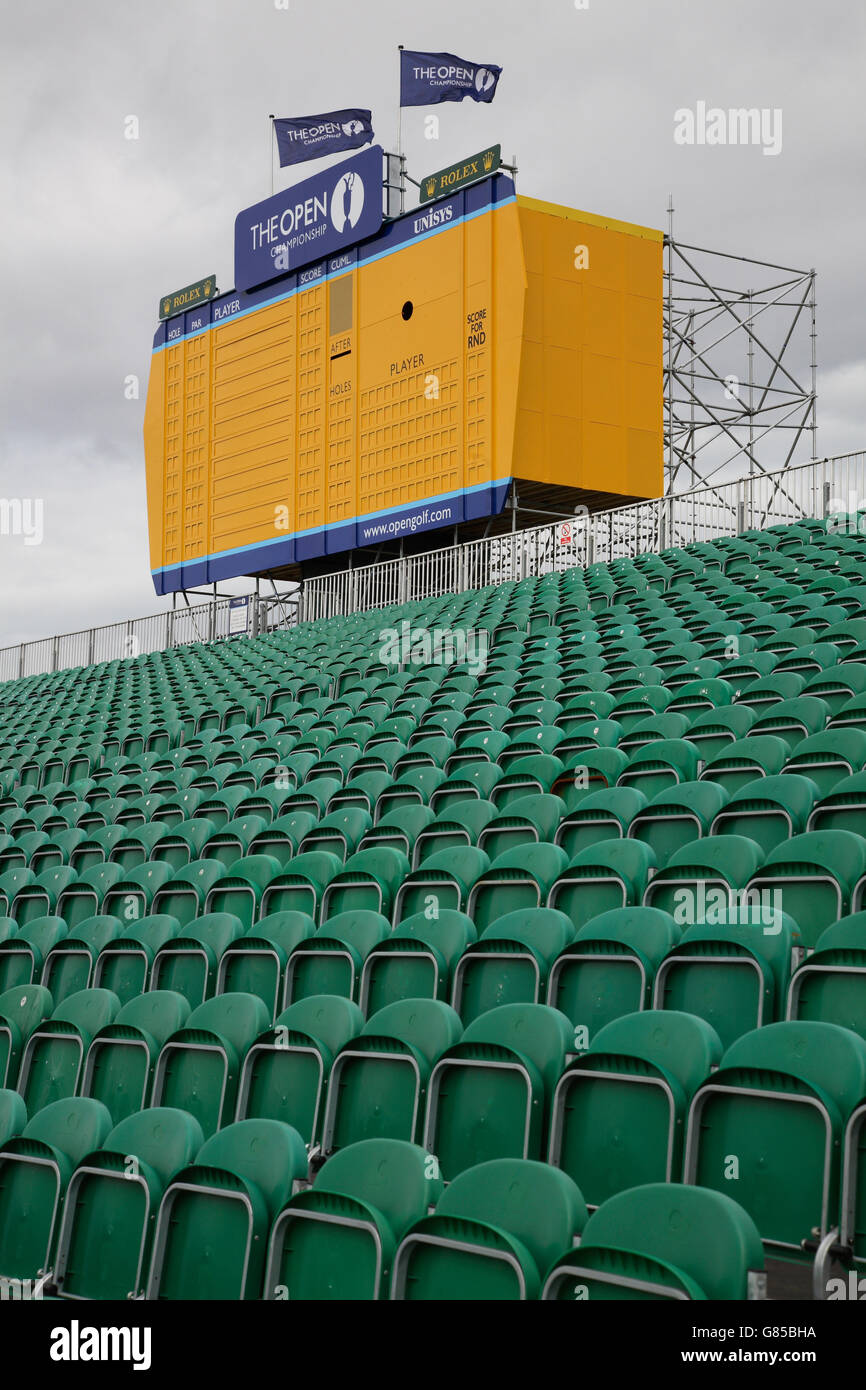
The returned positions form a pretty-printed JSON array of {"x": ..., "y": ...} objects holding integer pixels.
[{"x": 740, "y": 365}]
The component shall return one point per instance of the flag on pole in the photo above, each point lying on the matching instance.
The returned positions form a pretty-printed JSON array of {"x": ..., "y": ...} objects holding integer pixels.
[
  {"x": 308, "y": 137},
  {"x": 428, "y": 78}
]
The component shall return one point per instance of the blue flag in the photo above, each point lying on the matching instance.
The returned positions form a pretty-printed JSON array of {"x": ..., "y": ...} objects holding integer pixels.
[
  {"x": 428, "y": 78},
  {"x": 308, "y": 137}
]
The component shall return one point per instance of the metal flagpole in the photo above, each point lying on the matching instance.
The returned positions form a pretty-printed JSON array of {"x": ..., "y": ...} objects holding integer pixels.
[
  {"x": 271, "y": 147},
  {"x": 400, "y": 104},
  {"x": 400, "y": 132}
]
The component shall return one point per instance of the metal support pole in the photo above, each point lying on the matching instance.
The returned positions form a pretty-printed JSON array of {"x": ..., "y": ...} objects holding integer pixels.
[
  {"x": 813, "y": 334},
  {"x": 400, "y": 134}
]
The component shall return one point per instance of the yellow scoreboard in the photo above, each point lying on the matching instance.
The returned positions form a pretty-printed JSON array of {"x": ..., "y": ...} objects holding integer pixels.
[{"x": 404, "y": 384}]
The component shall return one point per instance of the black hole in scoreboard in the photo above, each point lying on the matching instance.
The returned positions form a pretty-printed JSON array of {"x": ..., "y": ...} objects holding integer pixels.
[{"x": 408, "y": 309}]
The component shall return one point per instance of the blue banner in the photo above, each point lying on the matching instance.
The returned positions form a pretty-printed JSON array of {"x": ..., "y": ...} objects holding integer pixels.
[
  {"x": 308, "y": 137},
  {"x": 428, "y": 78},
  {"x": 316, "y": 218}
]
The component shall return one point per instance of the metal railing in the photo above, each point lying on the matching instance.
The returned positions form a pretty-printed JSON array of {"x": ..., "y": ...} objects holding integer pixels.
[{"x": 810, "y": 489}]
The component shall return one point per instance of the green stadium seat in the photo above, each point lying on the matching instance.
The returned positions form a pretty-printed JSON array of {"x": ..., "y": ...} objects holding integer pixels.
[
  {"x": 659, "y": 728},
  {"x": 838, "y": 684},
  {"x": 458, "y": 825},
  {"x": 603, "y": 815},
  {"x": 443, "y": 882},
  {"x": 816, "y": 878},
  {"x": 609, "y": 969},
  {"x": 69, "y": 965},
  {"x": 22, "y": 1009},
  {"x": 400, "y": 829},
  {"x": 301, "y": 886},
  {"x": 708, "y": 874},
  {"x": 256, "y": 962},
  {"x": 518, "y": 879},
  {"x": 712, "y": 731},
  {"x": 531, "y": 775},
  {"x": 12, "y": 881},
  {"x": 618, "y": 1111},
  {"x": 769, "y": 810},
  {"x": 662, "y": 1241},
  {"x": 232, "y": 841},
  {"x": 828, "y": 758},
  {"x": 35, "y": 1169},
  {"x": 104, "y": 1243},
  {"x": 188, "y": 963},
  {"x": 23, "y": 954},
  {"x": 13, "y": 1116},
  {"x": 132, "y": 897},
  {"x": 337, "y": 1239},
  {"x": 331, "y": 961},
  {"x": 598, "y": 879},
  {"x": 510, "y": 961},
  {"x": 19, "y": 852},
  {"x": 829, "y": 986},
  {"x": 52, "y": 1058},
  {"x": 285, "y": 1072},
  {"x": 732, "y": 971},
  {"x": 851, "y": 714},
  {"x": 527, "y": 820},
  {"x": 378, "y": 1082},
  {"x": 417, "y": 960},
  {"x": 124, "y": 962},
  {"x": 768, "y": 1126},
  {"x": 214, "y": 1219},
  {"x": 471, "y": 781},
  {"x": 847, "y": 1238},
  {"x": 95, "y": 848},
  {"x": 120, "y": 1062},
  {"x": 241, "y": 890},
  {"x": 136, "y": 848},
  {"x": 199, "y": 1065},
  {"x": 489, "y": 1095},
  {"x": 340, "y": 833},
  {"x": 283, "y": 836},
  {"x": 493, "y": 1234},
  {"x": 676, "y": 816},
  {"x": 368, "y": 881}
]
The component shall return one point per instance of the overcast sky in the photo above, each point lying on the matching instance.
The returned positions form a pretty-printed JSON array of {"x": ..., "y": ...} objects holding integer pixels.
[{"x": 94, "y": 227}]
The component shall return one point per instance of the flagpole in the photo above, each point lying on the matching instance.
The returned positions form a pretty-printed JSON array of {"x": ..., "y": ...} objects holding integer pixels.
[
  {"x": 271, "y": 148},
  {"x": 400, "y": 132}
]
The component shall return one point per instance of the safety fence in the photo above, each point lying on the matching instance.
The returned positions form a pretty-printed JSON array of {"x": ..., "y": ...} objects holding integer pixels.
[{"x": 814, "y": 489}]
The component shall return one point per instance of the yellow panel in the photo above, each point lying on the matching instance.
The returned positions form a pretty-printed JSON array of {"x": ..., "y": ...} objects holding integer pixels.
[
  {"x": 524, "y": 341},
  {"x": 197, "y": 453},
  {"x": 592, "y": 352},
  {"x": 154, "y": 442},
  {"x": 253, "y": 424}
]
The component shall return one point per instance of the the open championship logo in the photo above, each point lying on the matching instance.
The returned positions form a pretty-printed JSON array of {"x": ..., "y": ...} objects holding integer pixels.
[
  {"x": 347, "y": 202},
  {"x": 484, "y": 80},
  {"x": 353, "y": 127}
]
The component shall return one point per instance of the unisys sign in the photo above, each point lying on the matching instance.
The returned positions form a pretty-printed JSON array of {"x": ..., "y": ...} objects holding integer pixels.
[{"x": 316, "y": 218}]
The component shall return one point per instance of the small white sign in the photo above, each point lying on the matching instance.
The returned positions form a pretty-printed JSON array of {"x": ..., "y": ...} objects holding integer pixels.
[{"x": 239, "y": 615}]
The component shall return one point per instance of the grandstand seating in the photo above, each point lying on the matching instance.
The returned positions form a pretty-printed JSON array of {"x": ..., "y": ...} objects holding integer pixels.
[{"x": 537, "y": 977}]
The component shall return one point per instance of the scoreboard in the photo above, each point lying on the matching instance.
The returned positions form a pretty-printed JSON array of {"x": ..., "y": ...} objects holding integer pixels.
[{"x": 402, "y": 384}]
